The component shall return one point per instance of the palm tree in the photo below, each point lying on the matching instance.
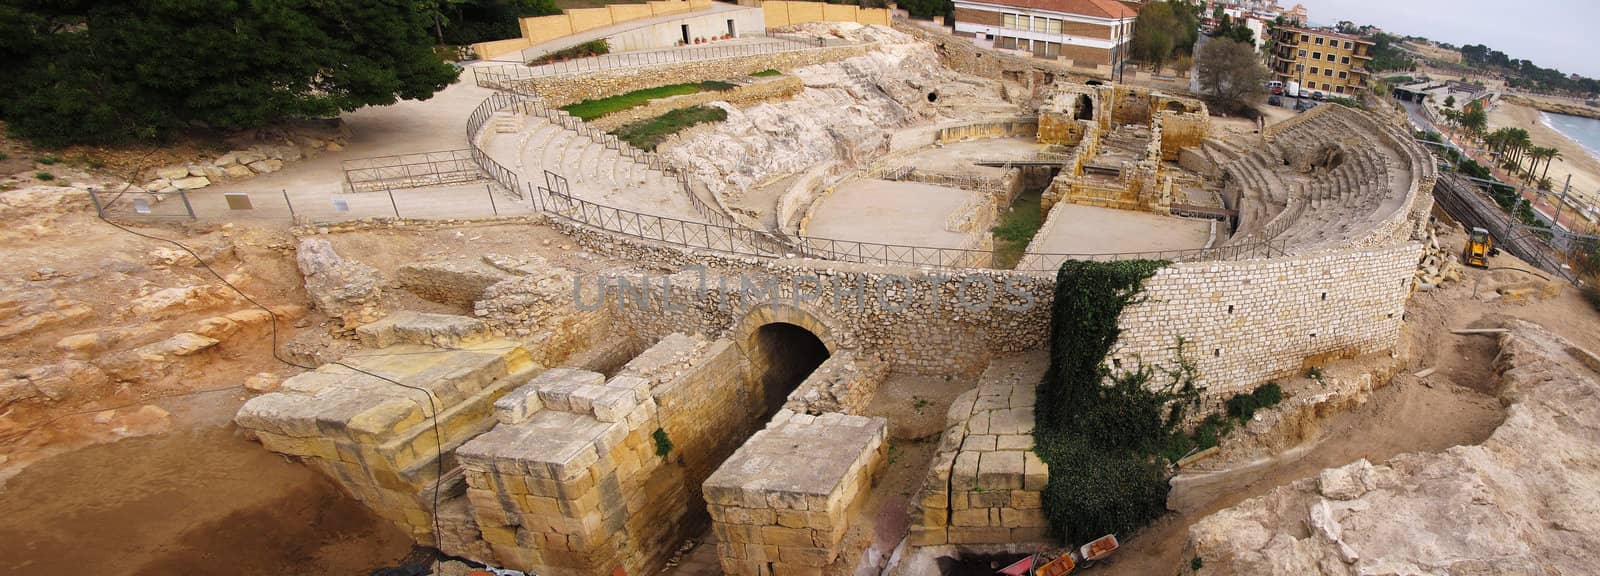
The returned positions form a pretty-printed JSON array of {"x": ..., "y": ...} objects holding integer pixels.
[{"x": 1550, "y": 154}]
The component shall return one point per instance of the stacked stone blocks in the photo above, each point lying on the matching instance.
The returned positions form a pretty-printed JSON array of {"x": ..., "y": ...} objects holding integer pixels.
[
  {"x": 379, "y": 439},
  {"x": 986, "y": 484},
  {"x": 777, "y": 509}
]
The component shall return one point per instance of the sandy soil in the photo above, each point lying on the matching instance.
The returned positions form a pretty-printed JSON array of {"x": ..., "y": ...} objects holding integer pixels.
[
  {"x": 1575, "y": 160},
  {"x": 197, "y": 501},
  {"x": 889, "y": 212},
  {"x": 1095, "y": 230}
]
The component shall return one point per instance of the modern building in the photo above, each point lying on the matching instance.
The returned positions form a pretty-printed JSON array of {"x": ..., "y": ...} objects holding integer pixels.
[
  {"x": 1090, "y": 33},
  {"x": 1321, "y": 60}
]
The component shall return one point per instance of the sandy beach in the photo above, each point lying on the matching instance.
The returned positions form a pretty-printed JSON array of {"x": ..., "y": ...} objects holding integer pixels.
[{"x": 1585, "y": 169}]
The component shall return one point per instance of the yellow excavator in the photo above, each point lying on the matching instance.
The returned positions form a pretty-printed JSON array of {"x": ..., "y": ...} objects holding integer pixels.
[{"x": 1480, "y": 246}]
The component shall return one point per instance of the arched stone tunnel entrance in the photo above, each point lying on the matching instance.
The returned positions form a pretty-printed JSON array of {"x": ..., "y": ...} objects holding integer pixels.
[{"x": 783, "y": 355}]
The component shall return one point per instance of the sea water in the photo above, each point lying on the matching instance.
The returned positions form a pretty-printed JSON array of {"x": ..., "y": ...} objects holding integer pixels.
[{"x": 1584, "y": 131}]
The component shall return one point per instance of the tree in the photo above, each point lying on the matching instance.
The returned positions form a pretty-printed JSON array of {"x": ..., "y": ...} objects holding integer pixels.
[
  {"x": 1474, "y": 120},
  {"x": 100, "y": 71},
  {"x": 1153, "y": 39},
  {"x": 1231, "y": 76},
  {"x": 1449, "y": 101}
]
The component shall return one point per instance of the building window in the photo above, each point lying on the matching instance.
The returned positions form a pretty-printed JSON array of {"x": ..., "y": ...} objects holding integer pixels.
[
  {"x": 1319, "y": 40},
  {"x": 1052, "y": 26},
  {"x": 1330, "y": 56},
  {"x": 1343, "y": 75},
  {"x": 1339, "y": 89},
  {"x": 1313, "y": 70},
  {"x": 1325, "y": 86},
  {"x": 1346, "y": 44},
  {"x": 1304, "y": 38},
  {"x": 1327, "y": 71},
  {"x": 1302, "y": 53},
  {"x": 1344, "y": 60},
  {"x": 1299, "y": 67},
  {"x": 1316, "y": 55},
  {"x": 1014, "y": 21},
  {"x": 1005, "y": 43}
]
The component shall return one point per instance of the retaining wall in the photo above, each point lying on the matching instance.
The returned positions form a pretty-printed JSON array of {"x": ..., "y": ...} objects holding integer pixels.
[{"x": 561, "y": 91}]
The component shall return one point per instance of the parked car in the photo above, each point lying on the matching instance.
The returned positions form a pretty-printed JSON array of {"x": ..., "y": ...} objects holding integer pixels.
[
  {"x": 1275, "y": 100},
  {"x": 1276, "y": 87},
  {"x": 1318, "y": 95},
  {"x": 1303, "y": 105}
]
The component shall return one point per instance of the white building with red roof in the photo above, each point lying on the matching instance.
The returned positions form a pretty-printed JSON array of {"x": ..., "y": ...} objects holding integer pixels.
[{"x": 1089, "y": 33}]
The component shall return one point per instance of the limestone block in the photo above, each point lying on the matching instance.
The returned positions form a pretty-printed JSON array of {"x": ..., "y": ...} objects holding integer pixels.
[
  {"x": 1000, "y": 470},
  {"x": 406, "y": 326},
  {"x": 518, "y": 405},
  {"x": 172, "y": 172},
  {"x": 556, "y": 386},
  {"x": 191, "y": 183}
]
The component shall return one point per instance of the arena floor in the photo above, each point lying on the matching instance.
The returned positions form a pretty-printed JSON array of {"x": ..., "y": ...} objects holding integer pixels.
[{"x": 889, "y": 212}]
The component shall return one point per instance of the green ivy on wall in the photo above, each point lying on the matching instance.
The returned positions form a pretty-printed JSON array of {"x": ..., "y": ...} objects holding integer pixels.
[{"x": 1101, "y": 433}]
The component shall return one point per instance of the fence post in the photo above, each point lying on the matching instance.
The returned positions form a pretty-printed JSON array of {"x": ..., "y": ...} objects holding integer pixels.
[
  {"x": 186, "y": 205},
  {"x": 490, "y": 190},
  {"x": 394, "y": 204},
  {"x": 95, "y": 198},
  {"x": 286, "y": 202}
]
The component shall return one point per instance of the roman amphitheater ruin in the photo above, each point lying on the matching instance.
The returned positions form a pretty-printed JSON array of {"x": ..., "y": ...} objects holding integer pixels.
[{"x": 785, "y": 267}]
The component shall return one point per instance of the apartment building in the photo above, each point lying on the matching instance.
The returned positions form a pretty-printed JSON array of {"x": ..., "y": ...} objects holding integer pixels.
[
  {"x": 1321, "y": 60},
  {"x": 1090, "y": 33}
]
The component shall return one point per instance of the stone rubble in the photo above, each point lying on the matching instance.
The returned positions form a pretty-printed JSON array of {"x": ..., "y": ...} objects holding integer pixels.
[{"x": 1523, "y": 502}]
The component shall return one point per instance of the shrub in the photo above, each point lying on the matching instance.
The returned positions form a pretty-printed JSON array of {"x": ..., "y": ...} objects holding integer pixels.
[
  {"x": 44, "y": 176},
  {"x": 663, "y": 443},
  {"x": 590, "y": 48},
  {"x": 47, "y": 160},
  {"x": 767, "y": 72},
  {"x": 1243, "y": 406}
]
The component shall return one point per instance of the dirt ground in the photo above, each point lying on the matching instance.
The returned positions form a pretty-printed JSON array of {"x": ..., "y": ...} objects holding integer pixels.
[{"x": 198, "y": 500}]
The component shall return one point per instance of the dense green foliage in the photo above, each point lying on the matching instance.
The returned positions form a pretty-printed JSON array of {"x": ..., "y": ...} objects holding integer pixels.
[
  {"x": 1165, "y": 30},
  {"x": 1527, "y": 75},
  {"x": 766, "y": 73},
  {"x": 102, "y": 71},
  {"x": 460, "y": 22},
  {"x": 1387, "y": 55},
  {"x": 647, "y": 134},
  {"x": 929, "y": 8},
  {"x": 590, "y": 48},
  {"x": 1101, "y": 433},
  {"x": 1234, "y": 30},
  {"x": 591, "y": 109}
]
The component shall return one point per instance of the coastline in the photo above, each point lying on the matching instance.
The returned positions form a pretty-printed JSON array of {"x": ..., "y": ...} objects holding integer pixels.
[{"x": 1576, "y": 159}]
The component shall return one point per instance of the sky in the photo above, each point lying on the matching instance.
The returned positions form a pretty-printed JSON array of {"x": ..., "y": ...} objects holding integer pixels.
[{"x": 1558, "y": 34}]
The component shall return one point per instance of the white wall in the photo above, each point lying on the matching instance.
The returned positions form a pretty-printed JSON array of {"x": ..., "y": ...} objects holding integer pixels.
[{"x": 746, "y": 22}]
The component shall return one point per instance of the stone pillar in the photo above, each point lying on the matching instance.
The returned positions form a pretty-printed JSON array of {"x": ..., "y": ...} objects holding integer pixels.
[{"x": 781, "y": 504}]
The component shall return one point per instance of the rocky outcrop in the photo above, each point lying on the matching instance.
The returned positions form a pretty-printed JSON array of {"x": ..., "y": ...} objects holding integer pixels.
[
  {"x": 846, "y": 112},
  {"x": 1523, "y": 502},
  {"x": 345, "y": 290},
  {"x": 268, "y": 151}
]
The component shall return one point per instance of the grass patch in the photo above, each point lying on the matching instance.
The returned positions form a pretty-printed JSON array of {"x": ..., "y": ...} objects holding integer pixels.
[
  {"x": 47, "y": 160},
  {"x": 1016, "y": 229},
  {"x": 44, "y": 176},
  {"x": 591, "y": 109},
  {"x": 646, "y": 135},
  {"x": 590, "y": 48},
  {"x": 767, "y": 72}
]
